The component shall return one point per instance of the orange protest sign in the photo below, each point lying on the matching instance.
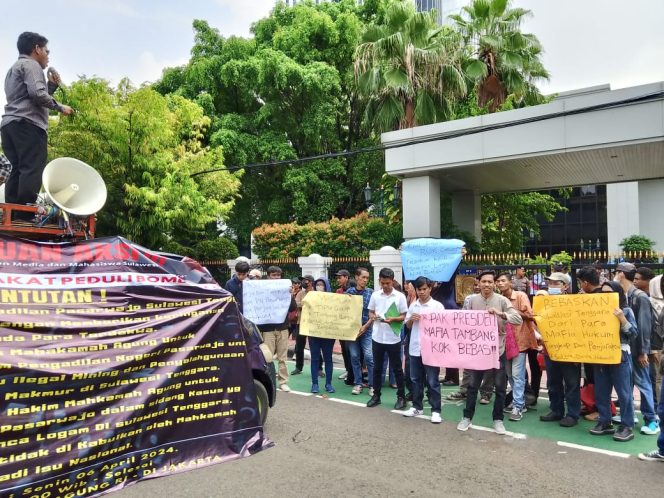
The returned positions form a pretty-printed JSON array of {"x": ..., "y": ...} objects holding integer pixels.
[{"x": 580, "y": 327}]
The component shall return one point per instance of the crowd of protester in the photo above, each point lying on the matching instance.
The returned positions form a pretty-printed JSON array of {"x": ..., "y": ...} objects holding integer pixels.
[{"x": 574, "y": 389}]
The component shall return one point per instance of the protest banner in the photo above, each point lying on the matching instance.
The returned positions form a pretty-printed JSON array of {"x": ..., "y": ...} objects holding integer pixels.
[
  {"x": 436, "y": 259},
  {"x": 266, "y": 301},
  {"x": 116, "y": 365},
  {"x": 460, "y": 339},
  {"x": 331, "y": 316},
  {"x": 580, "y": 327}
]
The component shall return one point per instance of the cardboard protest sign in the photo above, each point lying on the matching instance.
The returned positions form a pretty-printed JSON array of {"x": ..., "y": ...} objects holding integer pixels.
[
  {"x": 580, "y": 327},
  {"x": 436, "y": 259},
  {"x": 460, "y": 339},
  {"x": 331, "y": 316},
  {"x": 116, "y": 365},
  {"x": 266, "y": 301}
]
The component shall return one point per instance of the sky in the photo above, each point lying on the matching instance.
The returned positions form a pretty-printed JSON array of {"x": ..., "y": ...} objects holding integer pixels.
[{"x": 586, "y": 42}]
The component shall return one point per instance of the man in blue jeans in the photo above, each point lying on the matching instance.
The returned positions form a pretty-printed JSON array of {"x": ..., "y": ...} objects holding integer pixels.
[
  {"x": 640, "y": 345},
  {"x": 361, "y": 345},
  {"x": 563, "y": 380},
  {"x": 658, "y": 454}
]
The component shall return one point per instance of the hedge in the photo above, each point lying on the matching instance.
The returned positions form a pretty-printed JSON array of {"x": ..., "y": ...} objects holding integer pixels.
[{"x": 350, "y": 237}]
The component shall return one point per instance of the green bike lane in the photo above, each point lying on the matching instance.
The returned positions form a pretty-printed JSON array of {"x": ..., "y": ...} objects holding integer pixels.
[{"x": 452, "y": 411}]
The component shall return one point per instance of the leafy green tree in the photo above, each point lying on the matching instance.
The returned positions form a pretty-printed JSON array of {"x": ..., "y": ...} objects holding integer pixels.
[
  {"x": 505, "y": 217},
  {"x": 503, "y": 61},
  {"x": 146, "y": 148},
  {"x": 286, "y": 93},
  {"x": 408, "y": 69}
]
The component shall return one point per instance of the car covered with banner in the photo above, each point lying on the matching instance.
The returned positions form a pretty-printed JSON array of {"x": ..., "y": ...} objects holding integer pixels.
[{"x": 119, "y": 364}]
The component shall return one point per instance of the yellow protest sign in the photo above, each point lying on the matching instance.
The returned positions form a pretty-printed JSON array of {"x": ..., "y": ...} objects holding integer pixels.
[
  {"x": 580, "y": 327},
  {"x": 331, "y": 316}
]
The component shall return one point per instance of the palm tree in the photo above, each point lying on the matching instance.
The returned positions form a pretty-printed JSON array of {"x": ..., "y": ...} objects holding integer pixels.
[
  {"x": 503, "y": 61},
  {"x": 408, "y": 68}
]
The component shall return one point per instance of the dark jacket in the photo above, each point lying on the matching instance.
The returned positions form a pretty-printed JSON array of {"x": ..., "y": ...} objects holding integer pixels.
[{"x": 640, "y": 304}]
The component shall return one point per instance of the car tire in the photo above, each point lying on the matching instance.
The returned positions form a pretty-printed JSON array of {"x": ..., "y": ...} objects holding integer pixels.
[{"x": 261, "y": 400}]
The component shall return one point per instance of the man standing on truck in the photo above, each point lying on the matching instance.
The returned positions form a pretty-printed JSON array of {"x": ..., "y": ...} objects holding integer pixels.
[{"x": 25, "y": 121}]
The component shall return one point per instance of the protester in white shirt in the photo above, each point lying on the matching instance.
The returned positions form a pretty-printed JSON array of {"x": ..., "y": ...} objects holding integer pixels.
[
  {"x": 424, "y": 304},
  {"x": 385, "y": 339}
]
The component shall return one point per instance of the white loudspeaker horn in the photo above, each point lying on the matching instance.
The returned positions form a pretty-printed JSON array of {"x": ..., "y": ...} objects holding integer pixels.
[{"x": 74, "y": 186}]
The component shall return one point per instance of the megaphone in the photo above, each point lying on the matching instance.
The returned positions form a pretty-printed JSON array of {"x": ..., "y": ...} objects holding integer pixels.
[{"x": 74, "y": 186}]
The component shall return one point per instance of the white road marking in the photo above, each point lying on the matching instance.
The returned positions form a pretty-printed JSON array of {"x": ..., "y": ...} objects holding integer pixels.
[{"x": 594, "y": 450}]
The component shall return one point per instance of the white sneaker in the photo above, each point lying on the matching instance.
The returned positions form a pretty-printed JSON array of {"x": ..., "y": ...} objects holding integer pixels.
[
  {"x": 499, "y": 427},
  {"x": 651, "y": 429},
  {"x": 412, "y": 412},
  {"x": 343, "y": 376},
  {"x": 371, "y": 391},
  {"x": 356, "y": 390},
  {"x": 464, "y": 425},
  {"x": 285, "y": 388},
  {"x": 436, "y": 418}
]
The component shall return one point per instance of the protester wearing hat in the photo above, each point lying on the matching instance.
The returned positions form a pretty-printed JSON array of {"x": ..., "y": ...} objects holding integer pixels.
[
  {"x": 563, "y": 379},
  {"x": 639, "y": 302},
  {"x": 255, "y": 274}
]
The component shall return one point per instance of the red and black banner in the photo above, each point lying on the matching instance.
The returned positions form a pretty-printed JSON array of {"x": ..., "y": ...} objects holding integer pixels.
[{"x": 116, "y": 364}]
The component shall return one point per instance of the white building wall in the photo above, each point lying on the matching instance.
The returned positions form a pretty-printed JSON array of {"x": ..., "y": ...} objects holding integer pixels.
[
  {"x": 622, "y": 213},
  {"x": 651, "y": 211},
  {"x": 635, "y": 208}
]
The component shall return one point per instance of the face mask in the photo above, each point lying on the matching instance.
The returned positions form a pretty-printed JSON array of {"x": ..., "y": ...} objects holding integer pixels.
[
  {"x": 555, "y": 290},
  {"x": 616, "y": 279}
]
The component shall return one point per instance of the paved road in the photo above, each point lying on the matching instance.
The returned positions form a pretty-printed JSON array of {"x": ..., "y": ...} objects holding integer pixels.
[{"x": 330, "y": 449}]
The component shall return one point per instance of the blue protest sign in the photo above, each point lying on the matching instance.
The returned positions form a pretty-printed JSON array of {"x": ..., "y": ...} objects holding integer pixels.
[{"x": 435, "y": 259}]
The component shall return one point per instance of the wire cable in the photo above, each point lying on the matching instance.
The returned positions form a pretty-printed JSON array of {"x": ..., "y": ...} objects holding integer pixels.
[{"x": 649, "y": 97}]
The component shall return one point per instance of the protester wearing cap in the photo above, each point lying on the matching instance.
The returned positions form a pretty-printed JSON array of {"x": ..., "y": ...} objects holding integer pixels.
[
  {"x": 559, "y": 278},
  {"x": 255, "y": 274},
  {"x": 563, "y": 379},
  {"x": 343, "y": 277},
  {"x": 640, "y": 345}
]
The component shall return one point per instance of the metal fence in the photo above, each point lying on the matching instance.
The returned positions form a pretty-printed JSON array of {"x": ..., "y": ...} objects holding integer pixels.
[{"x": 470, "y": 267}]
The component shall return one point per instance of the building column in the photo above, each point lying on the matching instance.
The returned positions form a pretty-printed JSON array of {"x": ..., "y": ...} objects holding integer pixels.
[
  {"x": 314, "y": 265},
  {"x": 421, "y": 207},
  {"x": 386, "y": 257},
  {"x": 622, "y": 213},
  {"x": 467, "y": 213}
]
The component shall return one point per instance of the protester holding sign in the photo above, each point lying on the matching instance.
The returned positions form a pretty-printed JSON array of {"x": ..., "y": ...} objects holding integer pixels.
[
  {"x": 362, "y": 345},
  {"x": 524, "y": 335},
  {"x": 387, "y": 310},
  {"x": 318, "y": 345},
  {"x": 618, "y": 377},
  {"x": 274, "y": 309},
  {"x": 563, "y": 379},
  {"x": 501, "y": 307},
  {"x": 418, "y": 371}
]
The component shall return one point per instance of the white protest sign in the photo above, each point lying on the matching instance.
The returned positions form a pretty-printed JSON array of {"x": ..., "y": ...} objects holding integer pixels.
[{"x": 266, "y": 301}]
